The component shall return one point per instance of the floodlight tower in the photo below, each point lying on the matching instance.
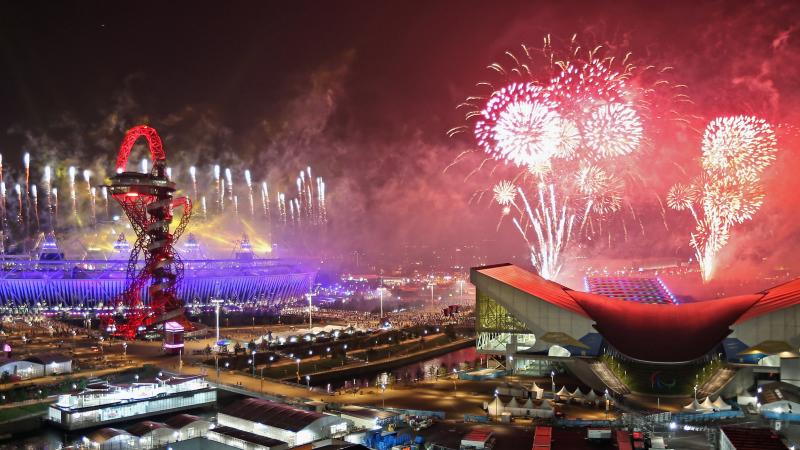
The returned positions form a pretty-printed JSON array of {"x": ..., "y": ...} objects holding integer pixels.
[{"x": 147, "y": 199}]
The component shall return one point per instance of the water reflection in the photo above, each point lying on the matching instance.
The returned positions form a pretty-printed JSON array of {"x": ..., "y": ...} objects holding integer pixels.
[{"x": 429, "y": 369}]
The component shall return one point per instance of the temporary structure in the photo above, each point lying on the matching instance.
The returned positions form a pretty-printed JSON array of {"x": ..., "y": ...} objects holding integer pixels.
[
  {"x": 536, "y": 392},
  {"x": 578, "y": 395},
  {"x": 707, "y": 403},
  {"x": 563, "y": 393},
  {"x": 495, "y": 407},
  {"x": 694, "y": 406},
  {"x": 528, "y": 404},
  {"x": 591, "y": 397},
  {"x": 513, "y": 403},
  {"x": 720, "y": 405}
]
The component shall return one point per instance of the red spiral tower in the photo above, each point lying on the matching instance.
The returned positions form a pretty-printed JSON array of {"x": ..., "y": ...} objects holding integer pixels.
[{"x": 147, "y": 199}]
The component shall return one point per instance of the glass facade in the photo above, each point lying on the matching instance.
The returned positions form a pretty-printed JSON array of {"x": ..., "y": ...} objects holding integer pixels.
[{"x": 96, "y": 408}]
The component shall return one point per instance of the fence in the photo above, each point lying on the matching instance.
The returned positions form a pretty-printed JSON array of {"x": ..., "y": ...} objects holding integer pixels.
[
  {"x": 418, "y": 412},
  {"x": 707, "y": 417},
  {"x": 475, "y": 418},
  {"x": 587, "y": 423}
]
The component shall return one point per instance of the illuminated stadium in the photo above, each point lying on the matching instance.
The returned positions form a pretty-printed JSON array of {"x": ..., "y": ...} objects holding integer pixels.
[
  {"x": 49, "y": 280},
  {"x": 632, "y": 335}
]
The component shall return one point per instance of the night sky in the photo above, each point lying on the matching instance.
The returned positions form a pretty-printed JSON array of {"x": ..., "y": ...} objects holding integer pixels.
[{"x": 365, "y": 92}]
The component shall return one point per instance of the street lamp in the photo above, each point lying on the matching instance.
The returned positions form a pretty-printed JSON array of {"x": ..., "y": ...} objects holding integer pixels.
[
  {"x": 455, "y": 377},
  {"x": 552, "y": 381},
  {"x": 695, "y": 392},
  {"x": 380, "y": 291},
  {"x": 298, "y": 369},
  {"x": 308, "y": 381},
  {"x": 308, "y": 297},
  {"x": 216, "y": 303}
]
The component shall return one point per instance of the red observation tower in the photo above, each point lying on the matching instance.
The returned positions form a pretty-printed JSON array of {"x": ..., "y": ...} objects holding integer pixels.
[{"x": 147, "y": 199}]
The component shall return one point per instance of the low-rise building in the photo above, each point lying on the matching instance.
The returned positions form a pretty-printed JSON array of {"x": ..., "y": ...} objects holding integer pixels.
[
  {"x": 188, "y": 426},
  {"x": 110, "y": 439},
  {"x": 52, "y": 363},
  {"x": 101, "y": 404},
  {"x": 245, "y": 440},
  {"x": 20, "y": 368},
  {"x": 282, "y": 422},
  {"x": 151, "y": 434}
]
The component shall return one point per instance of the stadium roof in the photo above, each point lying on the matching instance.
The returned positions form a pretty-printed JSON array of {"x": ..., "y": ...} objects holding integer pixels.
[
  {"x": 273, "y": 414},
  {"x": 666, "y": 332}
]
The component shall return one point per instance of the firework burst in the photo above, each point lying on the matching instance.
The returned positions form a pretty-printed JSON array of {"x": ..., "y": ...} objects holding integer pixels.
[
  {"x": 739, "y": 147},
  {"x": 736, "y": 151},
  {"x": 519, "y": 125},
  {"x": 505, "y": 193},
  {"x": 612, "y": 130}
]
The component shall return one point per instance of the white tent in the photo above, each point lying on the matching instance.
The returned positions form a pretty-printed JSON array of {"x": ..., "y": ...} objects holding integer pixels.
[
  {"x": 513, "y": 403},
  {"x": 591, "y": 397},
  {"x": 720, "y": 404},
  {"x": 495, "y": 407},
  {"x": 528, "y": 404},
  {"x": 563, "y": 393},
  {"x": 578, "y": 395},
  {"x": 537, "y": 392},
  {"x": 546, "y": 404},
  {"x": 707, "y": 403},
  {"x": 694, "y": 406}
]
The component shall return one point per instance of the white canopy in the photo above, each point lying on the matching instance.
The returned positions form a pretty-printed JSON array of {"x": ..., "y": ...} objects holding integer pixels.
[
  {"x": 694, "y": 406},
  {"x": 495, "y": 407},
  {"x": 577, "y": 393},
  {"x": 563, "y": 392},
  {"x": 534, "y": 387},
  {"x": 591, "y": 396},
  {"x": 720, "y": 404},
  {"x": 528, "y": 404},
  {"x": 546, "y": 404},
  {"x": 707, "y": 403},
  {"x": 513, "y": 403}
]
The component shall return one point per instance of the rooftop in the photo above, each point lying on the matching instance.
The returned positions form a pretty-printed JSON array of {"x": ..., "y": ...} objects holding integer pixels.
[
  {"x": 245, "y": 436},
  {"x": 142, "y": 428},
  {"x": 272, "y": 413},
  {"x": 181, "y": 420},
  {"x": 753, "y": 438}
]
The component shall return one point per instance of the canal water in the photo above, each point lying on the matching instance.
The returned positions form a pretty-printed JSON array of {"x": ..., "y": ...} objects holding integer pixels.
[{"x": 420, "y": 370}]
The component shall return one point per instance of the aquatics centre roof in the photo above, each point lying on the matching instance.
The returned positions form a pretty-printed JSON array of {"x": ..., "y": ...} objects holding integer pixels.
[{"x": 668, "y": 332}]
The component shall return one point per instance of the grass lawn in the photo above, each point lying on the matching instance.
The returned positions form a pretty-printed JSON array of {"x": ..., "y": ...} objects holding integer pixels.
[{"x": 7, "y": 414}]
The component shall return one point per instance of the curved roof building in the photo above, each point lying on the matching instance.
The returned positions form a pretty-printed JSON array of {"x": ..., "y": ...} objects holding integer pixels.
[{"x": 540, "y": 321}]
